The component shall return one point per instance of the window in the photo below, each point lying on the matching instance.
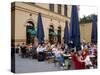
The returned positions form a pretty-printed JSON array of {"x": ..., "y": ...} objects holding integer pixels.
[
  {"x": 65, "y": 10},
  {"x": 59, "y": 8},
  {"x": 51, "y": 7},
  {"x": 32, "y": 3}
]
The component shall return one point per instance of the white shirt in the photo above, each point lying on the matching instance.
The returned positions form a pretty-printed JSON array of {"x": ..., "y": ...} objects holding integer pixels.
[
  {"x": 54, "y": 50},
  {"x": 81, "y": 47},
  {"x": 88, "y": 61},
  {"x": 52, "y": 46},
  {"x": 40, "y": 49},
  {"x": 44, "y": 49},
  {"x": 58, "y": 53}
]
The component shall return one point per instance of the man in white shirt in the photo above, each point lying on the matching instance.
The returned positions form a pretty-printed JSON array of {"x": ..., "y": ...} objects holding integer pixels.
[
  {"x": 40, "y": 53},
  {"x": 39, "y": 49}
]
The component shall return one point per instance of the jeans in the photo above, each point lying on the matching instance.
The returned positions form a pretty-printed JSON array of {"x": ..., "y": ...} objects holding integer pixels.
[{"x": 60, "y": 59}]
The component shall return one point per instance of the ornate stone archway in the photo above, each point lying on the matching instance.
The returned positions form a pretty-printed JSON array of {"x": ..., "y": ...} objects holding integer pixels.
[{"x": 30, "y": 31}]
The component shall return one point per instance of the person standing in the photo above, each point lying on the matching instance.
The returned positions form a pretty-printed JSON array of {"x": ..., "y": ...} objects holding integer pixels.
[
  {"x": 18, "y": 49},
  {"x": 34, "y": 51},
  {"x": 23, "y": 50}
]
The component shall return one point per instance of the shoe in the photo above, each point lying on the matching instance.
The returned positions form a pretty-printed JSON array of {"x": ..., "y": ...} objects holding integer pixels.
[{"x": 61, "y": 68}]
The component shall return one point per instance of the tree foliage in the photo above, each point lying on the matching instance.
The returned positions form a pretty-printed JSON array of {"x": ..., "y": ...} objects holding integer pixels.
[{"x": 86, "y": 19}]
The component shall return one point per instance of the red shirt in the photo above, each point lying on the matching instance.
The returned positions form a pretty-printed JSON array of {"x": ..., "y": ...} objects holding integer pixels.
[{"x": 77, "y": 63}]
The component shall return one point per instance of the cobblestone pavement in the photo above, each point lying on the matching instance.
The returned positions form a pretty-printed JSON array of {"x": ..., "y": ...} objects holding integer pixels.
[{"x": 26, "y": 65}]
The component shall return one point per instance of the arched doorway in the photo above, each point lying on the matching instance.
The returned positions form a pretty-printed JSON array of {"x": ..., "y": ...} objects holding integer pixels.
[
  {"x": 59, "y": 34},
  {"x": 51, "y": 36},
  {"x": 30, "y": 32}
]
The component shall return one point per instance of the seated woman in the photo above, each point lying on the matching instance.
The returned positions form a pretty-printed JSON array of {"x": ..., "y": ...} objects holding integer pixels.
[
  {"x": 77, "y": 60},
  {"x": 58, "y": 56},
  {"x": 86, "y": 58},
  {"x": 81, "y": 63}
]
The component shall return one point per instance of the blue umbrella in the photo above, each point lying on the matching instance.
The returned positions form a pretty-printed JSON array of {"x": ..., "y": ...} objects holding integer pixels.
[
  {"x": 66, "y": 33},
  {"x": 40, "y": 31},
  {"x": 74, "y": 28},
  {"x": 94, "y": 29}
]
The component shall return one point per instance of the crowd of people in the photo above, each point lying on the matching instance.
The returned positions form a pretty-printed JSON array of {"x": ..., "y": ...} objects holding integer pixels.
[{"x": 85, "y": 58}]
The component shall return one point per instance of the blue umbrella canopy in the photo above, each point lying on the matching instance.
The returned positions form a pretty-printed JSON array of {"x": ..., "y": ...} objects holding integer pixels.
[
  {"x": 74, "y": 28},
  {"x": 94, "y": 29},
  {"x": 40, "y": 31},
  {"x": 66, "y": 33}
]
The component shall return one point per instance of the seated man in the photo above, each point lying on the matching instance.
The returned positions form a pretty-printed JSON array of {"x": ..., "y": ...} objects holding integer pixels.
[{"x": 40, "y": 53}]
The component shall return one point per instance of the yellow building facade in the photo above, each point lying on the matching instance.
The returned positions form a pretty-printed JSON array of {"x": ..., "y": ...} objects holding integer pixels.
[
  {"x": 23, "y": 13},
  {"x": 85, "y": 31}
]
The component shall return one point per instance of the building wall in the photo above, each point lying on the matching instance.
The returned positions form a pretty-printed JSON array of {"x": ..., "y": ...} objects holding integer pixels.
[
  {"x": 22, "y": 16},
  {"x": 43, "y": 5},
  {"x": 85, "y": 30},
  {"x": 46, "y": 6},
  {"x": 69, "y": 10},
  {"x": 12, "y": 24},
  {"x": 25, "y": 12}
]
